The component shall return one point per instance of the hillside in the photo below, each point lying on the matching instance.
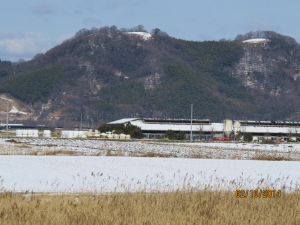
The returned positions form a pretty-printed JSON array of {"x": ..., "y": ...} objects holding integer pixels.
[
  {"x": 106, "y": 74},
  {"x": 270, "y": 71}
]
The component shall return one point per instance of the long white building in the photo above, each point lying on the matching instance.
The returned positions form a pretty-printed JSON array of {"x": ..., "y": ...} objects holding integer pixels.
[
  {"x": 272, "y": 130},
  {"x": 152, "y": 127}
]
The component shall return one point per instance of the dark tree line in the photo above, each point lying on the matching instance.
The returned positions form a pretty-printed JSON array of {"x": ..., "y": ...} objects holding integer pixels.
[
  {"x": 32, "y": 86},
  {"x": 134, "y": 131}
]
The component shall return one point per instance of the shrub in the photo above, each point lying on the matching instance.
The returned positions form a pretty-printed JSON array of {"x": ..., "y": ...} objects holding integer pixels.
[
  {"x": 172, "y": 135},
  {"x": 134, "y": 131},
  {"x": 248, "y": 137}
]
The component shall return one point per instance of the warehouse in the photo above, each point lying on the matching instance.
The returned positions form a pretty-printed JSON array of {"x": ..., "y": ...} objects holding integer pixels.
[
  {"x": 154, "y": 127},
  {"x": 203, "y": 128},
  {"x": 270, "y": 130}
]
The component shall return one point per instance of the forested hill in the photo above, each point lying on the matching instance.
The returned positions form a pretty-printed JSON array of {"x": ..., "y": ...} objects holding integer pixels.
[{"x": 106, "y": 74}]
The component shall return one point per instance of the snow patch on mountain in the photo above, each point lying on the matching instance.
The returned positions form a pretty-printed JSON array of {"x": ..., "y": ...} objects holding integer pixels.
[
  {"x": 144, "y": 35},
  {"x": 256, "y": 40}
]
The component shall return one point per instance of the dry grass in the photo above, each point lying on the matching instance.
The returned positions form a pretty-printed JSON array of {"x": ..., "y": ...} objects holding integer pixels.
[
  {"x": 114, "y": 153},
  {"x": 197, "y": 155},
  {"x": 156, "y": 154},
  {"x": 206, "y": 207},
  {"x": 270, "y": 157},
  {"x": 61, "y": 152},
  {"x": 23, "y": 149},
  {"x": 136, "y": 154}
]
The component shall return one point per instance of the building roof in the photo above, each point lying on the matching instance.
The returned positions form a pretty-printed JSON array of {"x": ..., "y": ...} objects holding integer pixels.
[
  {"x": 11, "y": 125},
  {"x": 269, "y": 123},
  {"x": 215, "y": 127},
  {"x": 162, "y": 125},
  {"x": 122, "y": 121},
  {"x": 270, "y": 130}
]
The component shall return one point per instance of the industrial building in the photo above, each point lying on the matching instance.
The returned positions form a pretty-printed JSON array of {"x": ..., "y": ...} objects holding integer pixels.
[
  {"x": 271, "y": 130},
  {"x": 152, "y": 127},
  {"x": 203, "y": 129}
]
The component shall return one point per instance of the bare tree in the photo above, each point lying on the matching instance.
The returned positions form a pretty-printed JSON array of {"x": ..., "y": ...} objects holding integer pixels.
[
  {"x": 267, "y": 135},
  {"x": 113, "y": 28},
  {"x": 242, "y": 132},
  {"x": 290, "y": 133},
  {"x": 140, "y": 28},
  {"x": 200, "y": 131},
  {"x": 158, "y": 32},
  {"x": 296, "y": 133},
  {"x": 212, "y": 132}
]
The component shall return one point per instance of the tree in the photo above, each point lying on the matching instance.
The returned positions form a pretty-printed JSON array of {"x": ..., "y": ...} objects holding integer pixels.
[
  {"x": 290, "y": 134},
  {"x": 94, "y": 30},
  {"x": 113, "y": 28},
  {"x": 296, "y": 133},
  {"x": 82, "y": 32},
  {"x": 105, "y": 128},
  {"x": 212, "y": 131},
  {"x": 134, "y": 131},
  {"x": 155, "y": 31},
  {"x": 140, "y": 28},
  {"x": 181, "y": 135},
  {"x": 171, "y": 134},
  {"x": 200, "y": 131},
  {"x": 38, "y": 55},
  {"x": 267, "y": 135},
  {"x": 248, "y": 137}
]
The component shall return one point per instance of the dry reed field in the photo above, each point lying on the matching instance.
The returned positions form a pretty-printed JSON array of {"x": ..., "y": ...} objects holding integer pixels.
[
  {"x": 205, "y": 207},
  {"x": 160, "y": 198}
]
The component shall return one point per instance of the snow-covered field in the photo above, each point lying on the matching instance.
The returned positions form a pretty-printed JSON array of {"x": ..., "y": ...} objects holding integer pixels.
[
  {"x": 142, "y": 148},
  {"x": 25, "y": 166},
  {"x": 109, "y": 174}
]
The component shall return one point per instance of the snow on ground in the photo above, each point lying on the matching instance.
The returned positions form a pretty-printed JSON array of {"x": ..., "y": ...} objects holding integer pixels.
[
  {"x": 140, "y": 148},
  {"x": 24, "y": 165},
  {"x": 280, "y": 147},
  {"x": 121, "y": 174}
]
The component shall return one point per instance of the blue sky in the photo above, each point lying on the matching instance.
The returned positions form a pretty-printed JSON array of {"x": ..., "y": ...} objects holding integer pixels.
[{"x": 34, "y": 26}]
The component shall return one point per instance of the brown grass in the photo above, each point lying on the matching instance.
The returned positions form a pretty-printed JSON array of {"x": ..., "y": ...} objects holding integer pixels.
[
  {"x": 114, "y": 153},
  {"x": 197, "y": 155},
  {"x": 61, "y": 152},
  {"x": 266, "y": 141},
  {"x": 206, "y": 207},
  {"x": 109, "y": 153},
  {"x": 269, "y": 157},
  {"x": 156, "y": 154}
]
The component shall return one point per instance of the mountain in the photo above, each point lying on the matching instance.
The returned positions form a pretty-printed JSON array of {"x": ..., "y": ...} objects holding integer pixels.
[
  {"x": 106, "y": 74},
  {"x": 270, "y": 70}
]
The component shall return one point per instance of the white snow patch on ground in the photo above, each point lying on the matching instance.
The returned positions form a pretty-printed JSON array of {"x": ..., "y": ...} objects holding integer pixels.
[
  {"x": 282, "y": 147},
  {"x": 26, "y": 146},
  {"x": 121, "y": 174},
  {"x": 20, "y": 171}
]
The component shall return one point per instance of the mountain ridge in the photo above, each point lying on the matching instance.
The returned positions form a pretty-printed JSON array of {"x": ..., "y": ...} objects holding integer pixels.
[{"x": 110, "y": 74}]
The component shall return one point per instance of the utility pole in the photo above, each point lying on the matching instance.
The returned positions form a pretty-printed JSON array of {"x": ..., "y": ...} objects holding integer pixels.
[
  {"x": 81, "y": 122},
  {"x": 7, "y": 121},
  {"x": 191, "y": 136}
]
